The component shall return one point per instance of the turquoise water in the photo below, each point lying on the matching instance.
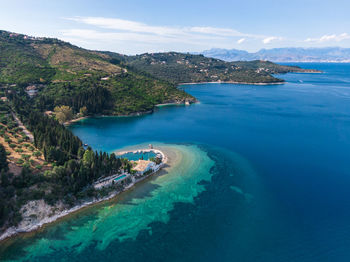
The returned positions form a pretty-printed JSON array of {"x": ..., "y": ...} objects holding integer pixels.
[
  {"x": 260, "y": 173},
  {"x": 119, "y": 177},
  {"x": 137, "y": 156}
]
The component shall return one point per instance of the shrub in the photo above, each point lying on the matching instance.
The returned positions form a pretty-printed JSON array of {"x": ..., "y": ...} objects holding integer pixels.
[
  {"x": 37, "y": 154},
  {"x": 19, "y": 161},
  {"x": 12, "y": 145},
  {"x": 26, "y": 164},
  {"x": 26, "y": 157}
]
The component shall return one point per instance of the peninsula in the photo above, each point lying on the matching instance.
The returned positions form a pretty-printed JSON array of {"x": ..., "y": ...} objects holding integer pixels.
[
  {"x": 47, "y": 171},
  {"x": 37, "y": 213}
]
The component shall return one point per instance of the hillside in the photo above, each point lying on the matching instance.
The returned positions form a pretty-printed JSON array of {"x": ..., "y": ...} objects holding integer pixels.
[
  {"x": 44, "y": 167},
  {"x": 59, "y": 73},
  {"x": 328, "y": 54},
  {"x": 187, "y": 68},
  {"x": 55, "y": 73}
]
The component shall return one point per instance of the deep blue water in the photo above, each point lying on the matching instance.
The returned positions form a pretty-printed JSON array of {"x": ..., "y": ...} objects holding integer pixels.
[{"x": 295, "y": 138}]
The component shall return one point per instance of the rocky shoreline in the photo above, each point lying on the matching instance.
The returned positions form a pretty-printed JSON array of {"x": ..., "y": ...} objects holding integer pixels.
[{"x": 49, "y": 214}]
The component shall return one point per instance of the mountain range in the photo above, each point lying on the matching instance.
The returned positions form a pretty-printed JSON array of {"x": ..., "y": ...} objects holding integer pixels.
[{"x": 292, "y": 54}]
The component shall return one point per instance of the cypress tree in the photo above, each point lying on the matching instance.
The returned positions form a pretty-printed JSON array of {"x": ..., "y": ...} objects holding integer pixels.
[{"x": 3, "y": 159}]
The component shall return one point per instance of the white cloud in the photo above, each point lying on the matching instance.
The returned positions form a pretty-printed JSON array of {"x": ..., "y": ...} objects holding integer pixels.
[
  {"x": 103, "y": 31},
  {"x": 270, "y": 39},
  {"x": 327, "y": 38},
  {"x": 132, "y": 26},
  {"x": 126, "y": 36},
  {"x": 240, "y": 41},
  {"x": 126, "y": 25},
  {"x": 216, "y": 31}
]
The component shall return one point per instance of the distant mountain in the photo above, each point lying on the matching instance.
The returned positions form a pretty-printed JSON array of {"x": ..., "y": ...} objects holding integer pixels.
[
  {"x": 327, "y": 54},
  {"x": 56, "y": 73}
]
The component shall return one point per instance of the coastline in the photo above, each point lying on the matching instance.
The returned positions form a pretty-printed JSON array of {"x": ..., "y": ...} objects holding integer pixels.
[
  {"x": 13, "y": 231},
  {"x": 126, "y": 215},
  {"x": 307, "y": 71},
  {"x": 75, "y": 120},
  {"x": 70, "y": 122},
  {"x": 233, "y": 82}
]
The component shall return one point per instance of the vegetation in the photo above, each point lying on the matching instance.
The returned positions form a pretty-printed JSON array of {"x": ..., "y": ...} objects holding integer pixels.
[
  {"x": 187, "y": 68},
  {"x": 3, "y": 159},
  {"x": 67, "y": 173},
  {"x": 65, "y": 75},
  {"x": 63, "y": 113},
  {"x": 109, "y": 83},
  {"x": 83, "y": 111},
  {"x": 38, "y": 75}
]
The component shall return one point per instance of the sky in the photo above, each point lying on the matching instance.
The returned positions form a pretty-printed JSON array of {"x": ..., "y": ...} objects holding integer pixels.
[{"x": 139, "y": 26}]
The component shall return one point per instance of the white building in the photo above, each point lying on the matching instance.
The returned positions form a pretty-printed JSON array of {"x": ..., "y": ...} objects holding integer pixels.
[{"x": 144, "y": 166}]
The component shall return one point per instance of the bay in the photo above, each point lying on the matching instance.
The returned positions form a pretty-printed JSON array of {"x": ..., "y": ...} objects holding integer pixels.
[{"x": 259, "y": 173}]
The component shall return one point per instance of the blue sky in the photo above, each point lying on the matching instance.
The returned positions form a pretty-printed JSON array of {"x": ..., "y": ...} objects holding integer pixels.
[{"x": 136, "y": 26}]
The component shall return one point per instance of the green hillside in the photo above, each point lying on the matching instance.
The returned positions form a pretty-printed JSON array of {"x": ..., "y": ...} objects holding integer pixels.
[
  {"x": 187, "y": 68},
  {"x": 64, "y": 74},
  {"x": 110, "y": 83}
]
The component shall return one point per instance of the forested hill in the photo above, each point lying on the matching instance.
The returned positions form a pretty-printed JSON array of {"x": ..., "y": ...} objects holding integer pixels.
[
  {"x": 57, "y": 73},
  {"x": 62, "y": 74},
  {"x": 187, "y": 68}
]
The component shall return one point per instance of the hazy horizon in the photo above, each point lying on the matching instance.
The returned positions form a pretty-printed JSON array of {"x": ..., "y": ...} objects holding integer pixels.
[{"x": 138, "y": 27}]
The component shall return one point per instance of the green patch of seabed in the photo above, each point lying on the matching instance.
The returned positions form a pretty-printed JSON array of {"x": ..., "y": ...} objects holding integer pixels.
[{"x": 129, "y": 213}]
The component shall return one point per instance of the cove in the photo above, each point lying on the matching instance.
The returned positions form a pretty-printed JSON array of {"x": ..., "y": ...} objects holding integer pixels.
[{"x": 263, "y": 176}]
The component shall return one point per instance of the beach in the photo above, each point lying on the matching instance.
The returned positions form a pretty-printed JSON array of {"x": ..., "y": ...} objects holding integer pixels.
[{"x": 150, "y": 200}]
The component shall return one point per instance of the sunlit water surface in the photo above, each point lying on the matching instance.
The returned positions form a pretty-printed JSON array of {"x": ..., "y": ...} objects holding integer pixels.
[{"x": 256, "y": 173}]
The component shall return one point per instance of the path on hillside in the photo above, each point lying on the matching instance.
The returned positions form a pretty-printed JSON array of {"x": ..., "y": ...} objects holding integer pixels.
[{"x": 25, "y": 130}]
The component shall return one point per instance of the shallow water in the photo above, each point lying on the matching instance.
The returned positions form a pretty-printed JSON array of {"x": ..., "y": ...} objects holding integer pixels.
[
  {"x": 264, "y": 176},
  {"x": 138, "y": 156}
]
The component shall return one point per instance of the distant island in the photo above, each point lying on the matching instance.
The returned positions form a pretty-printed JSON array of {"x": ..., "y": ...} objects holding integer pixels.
[
  {"x": 47, "y": 171},
  {"x": 327, "y": 54}
]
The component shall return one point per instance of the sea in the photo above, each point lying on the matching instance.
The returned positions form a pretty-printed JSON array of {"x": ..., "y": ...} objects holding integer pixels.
[{"x": 256, "y": 173}]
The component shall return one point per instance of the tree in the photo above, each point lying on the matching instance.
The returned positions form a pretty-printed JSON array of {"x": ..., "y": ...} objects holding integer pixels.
[
  {"x": 63, "y": 113},
  {"x": 88, "y": 157},
  {"x": 83, "y": 111},
  {"x": 3, "y": 158},
  {"x": 37, "y": 154}
]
